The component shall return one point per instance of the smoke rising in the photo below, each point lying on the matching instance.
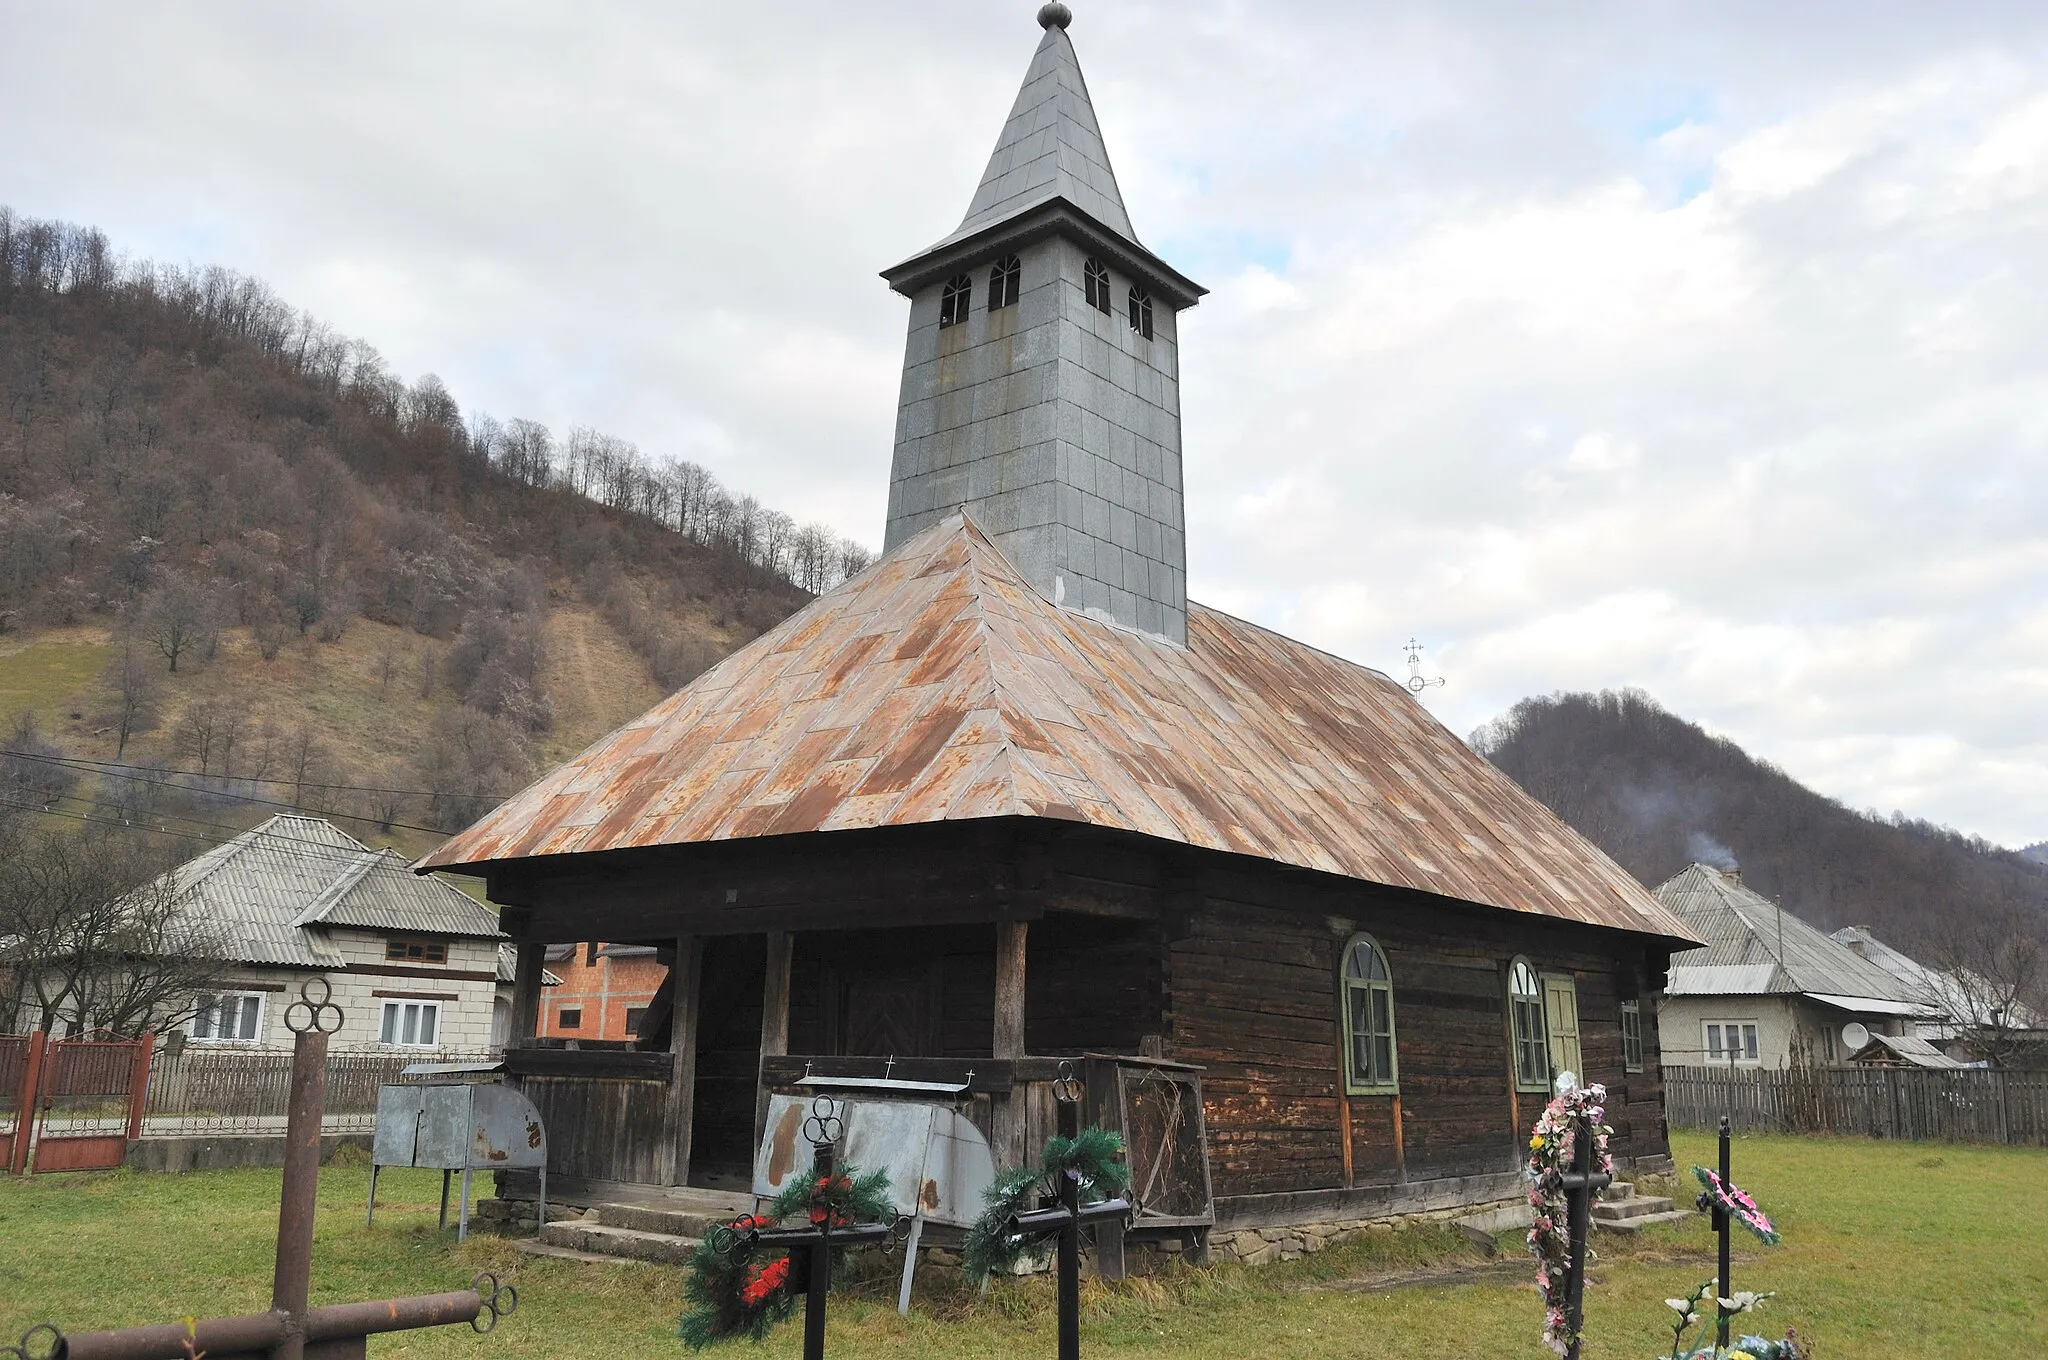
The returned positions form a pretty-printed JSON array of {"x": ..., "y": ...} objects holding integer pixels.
[{"x": 1704, "y": 849}]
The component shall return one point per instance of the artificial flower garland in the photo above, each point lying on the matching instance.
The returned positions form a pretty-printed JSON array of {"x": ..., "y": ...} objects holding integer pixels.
[
  {"x": 731, "y": 1296},
  {"x": 1095, "y": 1154},
  {"x": 1550, "y": 1151},
  {"x": 1729, "y": 1198}
]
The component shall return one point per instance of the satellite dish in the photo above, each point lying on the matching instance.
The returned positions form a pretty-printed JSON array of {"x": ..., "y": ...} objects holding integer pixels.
[{"x": 1855, "y": 1036}]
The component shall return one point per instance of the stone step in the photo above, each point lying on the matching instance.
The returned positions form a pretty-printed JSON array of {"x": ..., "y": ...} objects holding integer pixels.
[
  {"x": 1618, "y": 1190},
  {"x": 1609, "y": 1211},
  {"x": 534, "y": 1247},
  {"x": 1641, "y": 1221},
  {"x": 681, "y": 1222},
  {"x": 604, "y": 1240}
]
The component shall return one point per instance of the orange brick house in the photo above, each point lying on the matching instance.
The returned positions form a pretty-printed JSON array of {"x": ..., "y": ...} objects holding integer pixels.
[{"x": 604, "y": 992}]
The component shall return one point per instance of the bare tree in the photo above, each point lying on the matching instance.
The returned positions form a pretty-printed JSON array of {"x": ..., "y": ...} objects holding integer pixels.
[
  {"x": 175, "y": 618},
  {"x": 93, "y": 936},
  {"x": 132, "y": 706},
  {"x": 1994, "y": 973}
]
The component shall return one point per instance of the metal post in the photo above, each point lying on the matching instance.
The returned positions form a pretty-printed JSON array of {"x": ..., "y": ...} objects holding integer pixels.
[
  {"x": 290, "y": 1283},
  {"x": 1578, "y": 1200},
  {"x": 25, "y": 1105},
  {"x": 820, "y": 1281},
  {"x": 1721, "y": 1227},
  {"x": 1070, "y": 1240}
]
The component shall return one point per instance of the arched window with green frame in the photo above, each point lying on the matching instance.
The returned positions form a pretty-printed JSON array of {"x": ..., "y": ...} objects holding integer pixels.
[
  {"x": 1371, "y": 1063},
  {"x": 1532, "y": 1040}
]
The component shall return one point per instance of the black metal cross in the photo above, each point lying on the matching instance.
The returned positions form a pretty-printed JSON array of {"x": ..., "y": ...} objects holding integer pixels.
[
  {"x": 1579, "y": 1184},
  {"x": 1067, "y": 1216},
  {"x": 1721, "y": 1226},
  {"x": 810, "y": 1249}
]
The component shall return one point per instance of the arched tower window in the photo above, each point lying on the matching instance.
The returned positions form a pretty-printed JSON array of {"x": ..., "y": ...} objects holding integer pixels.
[
  {"x": 954, "y": 302},
  {"x": 1002, "y": 282},
  {"x": 1096, "y": 281},
  {"x": 1370, "y": 1061},
  {"x": 1141, "y": 311},
  {"x": 1532, "y": 1041}
]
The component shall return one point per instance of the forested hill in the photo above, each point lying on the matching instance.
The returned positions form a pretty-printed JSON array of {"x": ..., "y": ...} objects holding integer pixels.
[
  {"x": 1656, "y": 792},
  {"x": 243, "y": 565}
]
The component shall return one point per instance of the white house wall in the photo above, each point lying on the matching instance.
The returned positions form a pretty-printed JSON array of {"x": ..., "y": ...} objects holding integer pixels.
[{"x": 465, "y": 987}]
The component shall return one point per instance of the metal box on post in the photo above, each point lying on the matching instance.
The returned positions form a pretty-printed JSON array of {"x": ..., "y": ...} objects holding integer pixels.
[{"x": 457, "y": 1117}]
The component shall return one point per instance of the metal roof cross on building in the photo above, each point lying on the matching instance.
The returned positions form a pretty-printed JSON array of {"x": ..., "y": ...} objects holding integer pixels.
[{"x": 1417, "y": 681}]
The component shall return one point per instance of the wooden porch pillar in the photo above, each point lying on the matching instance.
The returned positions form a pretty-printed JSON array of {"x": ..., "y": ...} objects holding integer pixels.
[
  {"x": 686, "y": 973},
  {"x": 774, "y": 1020},
  {"x": 1008, "y": 1117},
  {"x": 526, "y": 979}
]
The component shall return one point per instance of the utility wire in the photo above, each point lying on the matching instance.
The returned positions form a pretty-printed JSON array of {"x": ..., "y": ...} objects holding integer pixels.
[
  {"x": 83, "y": 761},
  {"x": 109, "y": 770}
]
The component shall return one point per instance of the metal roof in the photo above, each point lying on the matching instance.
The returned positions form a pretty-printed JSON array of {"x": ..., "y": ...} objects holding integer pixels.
[
  {"x": 1884, "y": 1048},
  {"x": 270, "y": 892},
  {"x": 939, "y": 685},
  {"x": 1742, "y": 928},
  {"x": 1960, "y": 995}
]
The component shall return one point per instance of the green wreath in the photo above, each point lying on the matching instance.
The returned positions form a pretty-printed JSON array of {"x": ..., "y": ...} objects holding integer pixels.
[
  {"x": 731, "y": 1295},
  {"x": 1095, "y": 1154}
]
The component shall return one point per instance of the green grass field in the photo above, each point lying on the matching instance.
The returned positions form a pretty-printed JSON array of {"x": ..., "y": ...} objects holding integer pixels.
[{"x": 1890, "y": 1249}]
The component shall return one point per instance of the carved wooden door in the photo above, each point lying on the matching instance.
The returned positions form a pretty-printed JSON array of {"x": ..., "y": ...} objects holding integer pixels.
[{"x": 888, "y": 1012}]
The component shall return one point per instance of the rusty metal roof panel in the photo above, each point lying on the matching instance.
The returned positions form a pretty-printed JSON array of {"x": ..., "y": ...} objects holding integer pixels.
[{"x": 938, "y": 685}]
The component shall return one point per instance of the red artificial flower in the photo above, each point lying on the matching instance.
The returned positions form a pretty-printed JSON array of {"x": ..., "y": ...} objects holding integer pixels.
[{"x": 765, "y": 1283}]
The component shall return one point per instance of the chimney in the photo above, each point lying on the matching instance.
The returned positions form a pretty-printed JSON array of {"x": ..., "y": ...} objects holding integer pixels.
[{"x": 1733, "y": 875}]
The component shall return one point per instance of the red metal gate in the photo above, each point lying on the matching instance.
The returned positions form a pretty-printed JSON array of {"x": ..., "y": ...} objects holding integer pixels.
[
  {"x": 89, "y": 1102},
  {"x": 21, "y": 1059}
]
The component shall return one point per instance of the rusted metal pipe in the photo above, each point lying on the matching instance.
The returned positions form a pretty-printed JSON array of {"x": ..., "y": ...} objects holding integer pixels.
[
  {"x": 290, "y": 1283},
  {"x": 214, "y": 1336},
  {"x": 338, "y": 1320}
]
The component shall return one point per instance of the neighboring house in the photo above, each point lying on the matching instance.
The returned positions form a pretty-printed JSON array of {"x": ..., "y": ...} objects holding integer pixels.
[
  {"x": 1961, "y": 1000},
  {"x": 501, "y": 1003},
  {"x": 603, "y": 991},
  {"x": 1902, "y": 1050},
  {"x": 412, "y": 962},
  {"x": 1768, "y": 986}
]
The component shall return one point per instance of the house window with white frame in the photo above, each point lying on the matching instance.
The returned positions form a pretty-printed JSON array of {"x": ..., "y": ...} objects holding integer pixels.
[
  {"x": 410, "y": 1024},
  {"x": 1731, "y": 1041},
  {"x": 227, "y": 1018}
]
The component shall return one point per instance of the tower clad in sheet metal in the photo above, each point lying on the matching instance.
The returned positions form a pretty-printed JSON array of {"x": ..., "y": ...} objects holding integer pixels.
[{"x": 1041, "y": 381}]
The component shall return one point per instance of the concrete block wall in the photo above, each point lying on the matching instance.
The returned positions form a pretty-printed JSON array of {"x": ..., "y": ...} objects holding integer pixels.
[{"x": 1058, "y": 427}]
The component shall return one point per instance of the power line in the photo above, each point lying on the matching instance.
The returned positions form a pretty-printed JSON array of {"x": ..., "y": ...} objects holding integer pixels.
[
  {"x": 251, "y": 778},
  {"x": 145, "y": 775}
]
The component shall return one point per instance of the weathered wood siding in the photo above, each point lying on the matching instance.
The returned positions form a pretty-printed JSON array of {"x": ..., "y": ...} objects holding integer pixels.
[{"x": 1252, "y": 995}]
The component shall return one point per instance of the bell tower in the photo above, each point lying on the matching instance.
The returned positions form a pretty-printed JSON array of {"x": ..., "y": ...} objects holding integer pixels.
[{"x": 1041, "y": 380}]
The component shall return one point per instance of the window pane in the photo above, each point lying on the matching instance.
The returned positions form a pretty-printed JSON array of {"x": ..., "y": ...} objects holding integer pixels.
[
  {"x": 1382, "y": 1011},
  {"x": 202, "y": 1019},
  {"x": 1714, "y": 1040},
  {"x": 251, "y": 1011},
  {"x": 1749, "y": 1041},
  {"x": 429, "y": 1016},
  {"x": 409, "y": 1025},
  {"x": 390, "y": 1027}
]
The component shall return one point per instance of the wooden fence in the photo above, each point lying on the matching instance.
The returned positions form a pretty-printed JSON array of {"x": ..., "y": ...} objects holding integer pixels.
[
  {"x": 1972, "y": 1106},
  {"x": 238, "y": 1089}
]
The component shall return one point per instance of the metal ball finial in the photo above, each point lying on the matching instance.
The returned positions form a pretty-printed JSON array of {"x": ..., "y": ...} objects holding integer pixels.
[{"x": 1054, "y": 14}]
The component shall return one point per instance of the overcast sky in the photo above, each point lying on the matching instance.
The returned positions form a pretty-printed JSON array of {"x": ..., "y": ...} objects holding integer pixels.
[{"x": 1699, "y": 349}]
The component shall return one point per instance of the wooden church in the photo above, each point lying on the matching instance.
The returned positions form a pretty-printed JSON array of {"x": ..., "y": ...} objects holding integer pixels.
[{"x": 1010, "y": 796}]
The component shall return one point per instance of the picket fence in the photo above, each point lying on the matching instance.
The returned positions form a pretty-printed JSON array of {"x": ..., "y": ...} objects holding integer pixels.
[
  {"x": 1971, "y": 1106},
  {"x": 228, "y": 1090}
]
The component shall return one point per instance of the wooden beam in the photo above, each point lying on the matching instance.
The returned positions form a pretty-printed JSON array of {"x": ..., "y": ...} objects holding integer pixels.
[
  {"x": 1011, "y": 937},
  {"x": 774, "y": 1019},
  {"x": 526, "y": 980},
  {"x": 1007, "y": 1117},
  {"x": 687, "y": 970}
]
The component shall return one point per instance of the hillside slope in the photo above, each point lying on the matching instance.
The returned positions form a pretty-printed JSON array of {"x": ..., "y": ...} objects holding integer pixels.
[
  {"x": 1656, "y": 792},
  {"x": 243, "y": 567}
]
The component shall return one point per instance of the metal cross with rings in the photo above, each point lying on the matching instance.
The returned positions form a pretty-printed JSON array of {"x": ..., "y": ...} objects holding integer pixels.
[
  {"x": 1066, "y": 1089},
  {"x": 730, "y": 1242},
  {"x": 824, "y": 1126},
  {"x": 29, "y": 1348},
  {"x": 309, "y": 1013},
  {"x": 502, "y": 1300}
]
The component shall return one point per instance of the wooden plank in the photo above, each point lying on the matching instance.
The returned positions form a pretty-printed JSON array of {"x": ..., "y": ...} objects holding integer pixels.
[
  {"x": 774, "y": 1018},
  {"x": 527, "y": 974},
  {"x": 1011, "y": 937},
  {"x": 620, "y": 1064},
  {"x": 680, "y": 1113}
]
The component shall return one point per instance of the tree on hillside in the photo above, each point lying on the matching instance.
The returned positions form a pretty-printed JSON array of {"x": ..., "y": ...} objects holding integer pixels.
[
  {"x": 175, "y": 618},
  {"x": 134, "y": 695},
  {"x": 1996, "y": 975}
]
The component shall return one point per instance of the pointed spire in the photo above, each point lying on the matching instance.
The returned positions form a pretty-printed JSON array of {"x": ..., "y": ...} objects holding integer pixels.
[{"x": 1051, "y": 147}]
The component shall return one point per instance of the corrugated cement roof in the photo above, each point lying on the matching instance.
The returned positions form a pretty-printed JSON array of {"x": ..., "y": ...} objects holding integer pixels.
[
  {"x": 1743, "y": 930},
  {"x": 939, "y": 685},
  {"x": 270, "y": 890}
]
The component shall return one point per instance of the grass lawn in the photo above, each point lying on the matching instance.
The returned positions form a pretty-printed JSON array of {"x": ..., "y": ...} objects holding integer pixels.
[{"x": 1890, "y": 1249}]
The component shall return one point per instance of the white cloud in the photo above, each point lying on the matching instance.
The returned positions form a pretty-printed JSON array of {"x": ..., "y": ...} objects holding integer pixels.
[{"x": 1699, "y": 352}]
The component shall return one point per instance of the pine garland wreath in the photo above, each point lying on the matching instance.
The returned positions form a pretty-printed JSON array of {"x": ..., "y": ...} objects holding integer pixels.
[
  {"x": 1550, "y": 1150},
  {"x": 731, "y": 1296},
  {"x": 1095, "y": 1154}
]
